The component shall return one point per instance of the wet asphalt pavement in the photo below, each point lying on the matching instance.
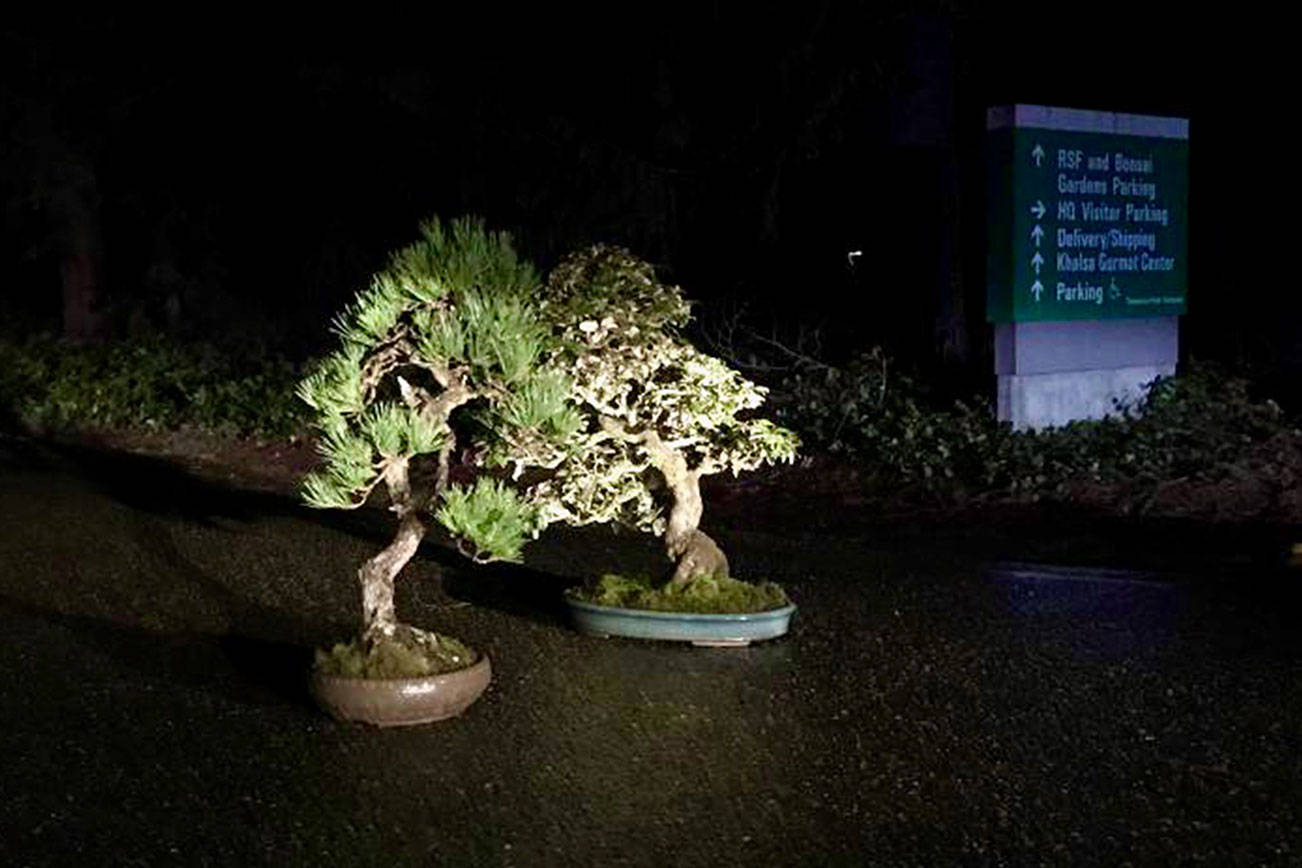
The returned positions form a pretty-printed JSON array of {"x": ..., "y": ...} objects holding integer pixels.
[{"x": 943, "y": 698}]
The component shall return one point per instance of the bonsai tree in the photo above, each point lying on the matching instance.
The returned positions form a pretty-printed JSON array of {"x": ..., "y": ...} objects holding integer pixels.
[
  {"x": 658, "y": 414},
  {"x": 441, "y": 352}
]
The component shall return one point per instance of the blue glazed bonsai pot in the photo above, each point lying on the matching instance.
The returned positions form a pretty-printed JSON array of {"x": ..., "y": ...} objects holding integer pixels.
[{"x": 711, "y": 629}]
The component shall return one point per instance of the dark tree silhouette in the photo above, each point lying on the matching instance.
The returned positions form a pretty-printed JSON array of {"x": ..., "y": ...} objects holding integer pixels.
[{"x": 50, "y": 177}]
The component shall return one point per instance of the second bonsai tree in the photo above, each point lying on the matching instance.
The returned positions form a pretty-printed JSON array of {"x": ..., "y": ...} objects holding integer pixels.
[{"x": 658, "y": 414}]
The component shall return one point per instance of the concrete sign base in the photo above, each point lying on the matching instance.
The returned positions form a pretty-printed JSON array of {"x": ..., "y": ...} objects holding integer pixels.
[{"x": 1050, "y": 373}]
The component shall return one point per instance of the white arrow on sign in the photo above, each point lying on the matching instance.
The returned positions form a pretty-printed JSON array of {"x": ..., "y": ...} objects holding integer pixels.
[
  {"x": 1036, "y": 261},
  {"x": 1036, "y": 289},
  {"x": 1038, "y": 209},
  {"x": 1038, "y": 153},
  {"x": 1036, "y": 234}
]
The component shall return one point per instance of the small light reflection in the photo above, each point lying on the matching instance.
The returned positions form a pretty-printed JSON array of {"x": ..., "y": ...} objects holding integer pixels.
[{"x": 1118, "y": 612}]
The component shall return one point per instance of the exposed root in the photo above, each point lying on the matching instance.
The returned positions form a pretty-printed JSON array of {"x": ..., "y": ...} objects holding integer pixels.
[{"x": 698, "y": 556}]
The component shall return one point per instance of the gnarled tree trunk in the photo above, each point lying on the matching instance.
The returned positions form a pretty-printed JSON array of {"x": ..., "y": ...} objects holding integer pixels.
[
  {"x": 376, "y": 576},
  {"x": 693, "y": 552}
]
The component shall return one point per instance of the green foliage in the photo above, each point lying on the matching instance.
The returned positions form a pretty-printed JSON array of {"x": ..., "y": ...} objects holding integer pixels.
[
  {"x": 445, "y": 261},
  {"x": 615, "y": 291},
  {"x": 395, "y": 429},
  {"x": 450, "y": 313},
  {"x": 440, "y": 334},
  {"x": 149, "y": 383},
  {"x": 543, "y": 402},
  {"x": 348, "y": 473},
  {"x": 702, "y": 595},
  {"x": 502, "y": 334},
  {"x": 489, "y": 519},
  {"x": 1199, "y": 425},
  {"x": 372, "y": 315},
  {"x": 458, "y": 257},
  {"x": 334, "y": 385},
  {"x": 616, "y": 332}
]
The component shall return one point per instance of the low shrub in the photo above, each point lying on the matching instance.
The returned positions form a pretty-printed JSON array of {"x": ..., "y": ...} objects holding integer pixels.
[
  {"x": 148, "y": 383},
  {"x": 1201, "y": 425}
]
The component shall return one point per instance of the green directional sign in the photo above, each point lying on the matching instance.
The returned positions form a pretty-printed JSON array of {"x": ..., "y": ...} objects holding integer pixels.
[{"x": 1087, "y": 215}]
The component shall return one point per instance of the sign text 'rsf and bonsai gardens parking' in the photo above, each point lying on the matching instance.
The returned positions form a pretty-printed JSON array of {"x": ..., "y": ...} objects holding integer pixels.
[{"x": 1087, "y": 214}]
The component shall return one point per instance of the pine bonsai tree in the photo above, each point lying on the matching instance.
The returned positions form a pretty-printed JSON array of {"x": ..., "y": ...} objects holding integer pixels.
[
  {"x": 442, "y": 351},
  {"x": 656, "y": 411}
]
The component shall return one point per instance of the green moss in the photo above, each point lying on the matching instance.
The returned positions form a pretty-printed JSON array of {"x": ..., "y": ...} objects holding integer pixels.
[
  {"x": 705, "y": 595},
  {"x": 408, "y": 654}
]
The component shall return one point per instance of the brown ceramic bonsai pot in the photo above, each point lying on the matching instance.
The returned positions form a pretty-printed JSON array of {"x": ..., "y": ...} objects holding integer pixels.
[{"x": 402, "y": 701}]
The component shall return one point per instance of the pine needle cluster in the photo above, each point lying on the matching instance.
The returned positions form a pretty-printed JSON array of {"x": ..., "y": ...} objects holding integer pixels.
[{"x": 490, "y": 519}]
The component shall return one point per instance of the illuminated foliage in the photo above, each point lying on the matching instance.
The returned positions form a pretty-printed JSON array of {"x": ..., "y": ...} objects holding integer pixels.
[
  {"x": 445, "y": 333},
  {"x": 656, "y": 411}
]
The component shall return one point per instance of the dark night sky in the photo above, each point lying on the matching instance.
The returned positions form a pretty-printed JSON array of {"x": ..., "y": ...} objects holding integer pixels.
[{"x": 271, "y": 163}]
